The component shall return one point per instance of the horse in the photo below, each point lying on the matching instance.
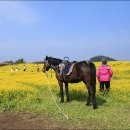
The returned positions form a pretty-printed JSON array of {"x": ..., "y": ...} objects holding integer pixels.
[{"x": 82, "y": 71}]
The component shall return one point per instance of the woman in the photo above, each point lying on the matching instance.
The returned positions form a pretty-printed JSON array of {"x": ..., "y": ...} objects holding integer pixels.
[{"x": 104, "y": 74}]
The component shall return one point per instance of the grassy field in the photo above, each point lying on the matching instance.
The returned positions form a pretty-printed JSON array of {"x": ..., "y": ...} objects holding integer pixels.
[{"x": 28, "y": 92}]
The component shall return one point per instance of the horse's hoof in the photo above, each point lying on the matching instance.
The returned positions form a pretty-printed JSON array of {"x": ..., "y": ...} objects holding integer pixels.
[
  {"x": 61, "y": 101},
  {"x": 95, "y": 107},
  {"x": 88, "y": 104},
  {"x": 67, "y": 101}
]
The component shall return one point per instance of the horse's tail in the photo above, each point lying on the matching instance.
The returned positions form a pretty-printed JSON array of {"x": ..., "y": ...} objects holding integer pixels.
[{"x": 93, "y": 75}]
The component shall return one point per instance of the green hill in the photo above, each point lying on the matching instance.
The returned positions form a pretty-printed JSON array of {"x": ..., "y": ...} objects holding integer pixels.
[{"x": 100, "y": 57}]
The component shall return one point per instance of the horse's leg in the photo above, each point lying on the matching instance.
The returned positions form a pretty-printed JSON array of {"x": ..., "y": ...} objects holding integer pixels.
[
  {"x": 66, "y": 91},
  {"x": 91, "y": 93},
  {"x": 89, "y": 98},
  {"x": 61, "y": 91},
  {"x": 94, "y": 100}
]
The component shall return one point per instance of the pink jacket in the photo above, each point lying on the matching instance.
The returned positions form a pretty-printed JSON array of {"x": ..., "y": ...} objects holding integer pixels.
[{"x": 104, "y": 73}]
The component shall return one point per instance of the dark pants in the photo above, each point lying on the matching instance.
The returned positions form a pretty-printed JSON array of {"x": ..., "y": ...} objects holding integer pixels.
[{"x": 107, "y": 85}]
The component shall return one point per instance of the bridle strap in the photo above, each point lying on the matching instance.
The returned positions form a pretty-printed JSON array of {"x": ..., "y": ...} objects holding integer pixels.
[{"x": 54, "y": 67}]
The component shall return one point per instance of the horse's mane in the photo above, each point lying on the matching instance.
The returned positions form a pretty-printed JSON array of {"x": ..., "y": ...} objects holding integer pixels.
[
  {"x": 54, "y": 61},
  {"x": 52, "y": 58}
]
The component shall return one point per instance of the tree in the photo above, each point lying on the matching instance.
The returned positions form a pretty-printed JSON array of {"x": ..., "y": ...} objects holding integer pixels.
[
  {"x": 19, "y": 61},
  {"x": 6, "y": 63}
]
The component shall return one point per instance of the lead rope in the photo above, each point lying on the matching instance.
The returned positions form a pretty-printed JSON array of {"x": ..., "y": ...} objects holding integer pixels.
[
  {"x": 49, "y": 86},
  {"x": 48, "y": 76},
  {"x": 51, "y": 72}
]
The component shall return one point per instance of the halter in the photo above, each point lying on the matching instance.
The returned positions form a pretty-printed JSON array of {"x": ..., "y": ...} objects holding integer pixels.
[
  {"x": 51, "y": 66},
  {"x": 54, "y": 67}
]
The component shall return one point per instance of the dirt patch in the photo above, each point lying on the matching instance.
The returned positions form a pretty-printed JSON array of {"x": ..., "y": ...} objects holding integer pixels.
[{"x": 29, "y": 121}]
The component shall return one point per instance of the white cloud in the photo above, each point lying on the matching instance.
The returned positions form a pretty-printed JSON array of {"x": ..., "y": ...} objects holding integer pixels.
[{"x": 17, "y": 12}]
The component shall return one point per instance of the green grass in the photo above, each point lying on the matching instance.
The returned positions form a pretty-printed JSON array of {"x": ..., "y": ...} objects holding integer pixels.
[{"x": 112, "y": 113}]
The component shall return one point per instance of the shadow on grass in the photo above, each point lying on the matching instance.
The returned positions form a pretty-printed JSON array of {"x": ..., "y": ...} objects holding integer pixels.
[
  {"x": 77, "y": 95},
  {"x": 81, "y": 96}
]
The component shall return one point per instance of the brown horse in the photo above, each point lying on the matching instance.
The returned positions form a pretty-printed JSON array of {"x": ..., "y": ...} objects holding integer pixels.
[{"x": 82, "y": 71}]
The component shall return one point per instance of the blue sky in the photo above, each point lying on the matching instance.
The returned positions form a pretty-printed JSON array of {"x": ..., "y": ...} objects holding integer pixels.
[{"x": 80, "y": 30}]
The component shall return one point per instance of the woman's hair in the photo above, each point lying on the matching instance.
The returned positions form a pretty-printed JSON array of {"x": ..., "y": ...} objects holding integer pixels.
[{"x": 104, "y": 61}]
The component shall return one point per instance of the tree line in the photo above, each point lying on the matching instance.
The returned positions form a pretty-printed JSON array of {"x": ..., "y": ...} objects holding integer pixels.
[{"x": 22, "y": 61}]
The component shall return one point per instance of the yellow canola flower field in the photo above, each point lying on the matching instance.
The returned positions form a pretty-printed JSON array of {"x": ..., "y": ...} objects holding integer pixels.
[
  {"x": 28, "y": 92},
  {"x": 21, "y": 81}
]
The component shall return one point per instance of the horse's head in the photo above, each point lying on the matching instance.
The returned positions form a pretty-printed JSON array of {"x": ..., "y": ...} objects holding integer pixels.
[
  {"x": 50, "y": 62},
  {"x": 47, "y": 65}
]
